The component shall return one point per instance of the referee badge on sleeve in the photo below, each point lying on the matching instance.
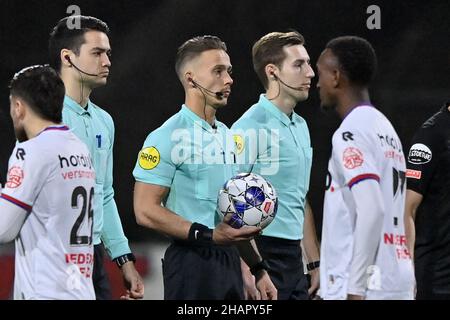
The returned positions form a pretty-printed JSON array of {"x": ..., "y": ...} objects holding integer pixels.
[
  {"x": 149, "y": 158},
  {"x": 239, "y": 141}
]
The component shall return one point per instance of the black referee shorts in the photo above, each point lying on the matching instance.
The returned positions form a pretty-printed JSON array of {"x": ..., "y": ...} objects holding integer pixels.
[
  {"x": 284, "y": 258},
  {"x": 202, "y": 272}
]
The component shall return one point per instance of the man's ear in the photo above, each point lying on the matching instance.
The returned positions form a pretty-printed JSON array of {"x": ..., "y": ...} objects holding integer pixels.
[
  {"x": 18, "y": 108},
  {"x": 337, "y": 78},
  {"x": 271, "y": 71},
  {"x": 189, "y": 79}
]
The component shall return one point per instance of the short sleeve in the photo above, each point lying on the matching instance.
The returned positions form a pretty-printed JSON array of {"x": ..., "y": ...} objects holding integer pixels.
[
  {"x": 354, "y": 157},
  {"x": 422, "y": 159},
  {"x": 27, "y": 174},
  {"x": 155, "y": 163},
  {"x": 245, "y": 134}
]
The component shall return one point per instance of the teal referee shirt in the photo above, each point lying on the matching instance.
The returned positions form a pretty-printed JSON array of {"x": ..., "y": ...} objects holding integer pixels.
[
  {"x": 278, "y": 148},
  {"x": 193, "y": 159},
  {"x": 95, "y": 127}
]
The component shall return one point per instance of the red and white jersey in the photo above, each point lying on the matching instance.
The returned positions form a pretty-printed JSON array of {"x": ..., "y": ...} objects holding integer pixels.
[
  {"x": 365, "y": 146},
  {"x": 52, "y": 177}
]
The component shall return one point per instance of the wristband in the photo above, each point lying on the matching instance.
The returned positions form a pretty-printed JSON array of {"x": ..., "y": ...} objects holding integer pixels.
[
  {"x": 313, "y": 265},
  {"x": 262, "y": 265},
  {"x": 200, "y": 233},
  {"x": 120, "y": 261}
]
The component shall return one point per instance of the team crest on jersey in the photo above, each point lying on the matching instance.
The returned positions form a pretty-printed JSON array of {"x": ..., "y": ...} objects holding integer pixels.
[
  {"x": 239, "y": 141},
  {"x": 352, "y": 158},
  {"x": 419, "y": 154},
  {"x": 149, "y": 158},
  {"x": 15, "y": 177}
]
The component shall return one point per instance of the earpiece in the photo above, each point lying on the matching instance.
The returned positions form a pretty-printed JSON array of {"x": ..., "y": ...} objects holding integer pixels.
[
  {"x": 192, "y": 82},
  {"x": 72, "y": 65}
]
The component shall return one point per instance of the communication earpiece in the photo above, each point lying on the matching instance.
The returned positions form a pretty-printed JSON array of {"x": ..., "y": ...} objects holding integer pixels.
[
  {"x": 218, "y": 94},
  {"x": 274, "y": 76},
  {"x": 71, "y": 64},
  {"x": 192, "y": 82}
]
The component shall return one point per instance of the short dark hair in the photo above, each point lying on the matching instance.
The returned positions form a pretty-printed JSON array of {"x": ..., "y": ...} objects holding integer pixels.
[
  {"x": 63, "y": 37},
  {"x": 270, "y": 49},
  {"x": 357, "y": 58},
  {"x": 42, "y": 89},
  {"x": 194, "y": 47}
]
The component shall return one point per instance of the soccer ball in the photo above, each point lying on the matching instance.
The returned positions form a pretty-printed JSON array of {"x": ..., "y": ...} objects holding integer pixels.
[{"x": 250, "y": 200}]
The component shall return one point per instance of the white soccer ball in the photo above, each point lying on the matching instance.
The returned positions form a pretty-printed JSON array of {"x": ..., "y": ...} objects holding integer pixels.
[{"x": 250, "y": 200}]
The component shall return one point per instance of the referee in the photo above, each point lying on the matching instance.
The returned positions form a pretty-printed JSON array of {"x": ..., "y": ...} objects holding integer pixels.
[
  {"x": 183, "y": 165},
  {"x": 427, "y": 213},
  {"x": 82, "y": 58}
]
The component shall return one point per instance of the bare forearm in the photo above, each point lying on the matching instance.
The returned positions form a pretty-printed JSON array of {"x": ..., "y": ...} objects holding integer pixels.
[
  {"x": 151, "y": 214},
  {"x": 413, "y": 200},
  {"x": 163, "y": 220}
]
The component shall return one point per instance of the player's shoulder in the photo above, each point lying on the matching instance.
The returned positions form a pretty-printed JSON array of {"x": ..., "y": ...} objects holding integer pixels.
[
  {"x": 176, "y": 121},
  {"x": 434, "y": 132},
  {"x": 363, "y": 113},
  {"x": 253, "y": 117},
  {"x": 37, "y": 150},
  {"x": 364, "y": 119},
  {"x": 438, "y": 122},
  {"x": 359, "y": 124},
  {"x": 163, "y": 134}
]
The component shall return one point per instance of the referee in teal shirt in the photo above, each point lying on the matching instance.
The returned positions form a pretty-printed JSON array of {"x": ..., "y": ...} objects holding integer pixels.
[
  {"x": 273, "y": 141},
  {"x": 179, "y": 172},
  {"x": 80, "y": 51}
]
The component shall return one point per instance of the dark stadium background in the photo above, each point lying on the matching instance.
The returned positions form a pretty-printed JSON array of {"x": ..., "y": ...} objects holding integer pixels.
[{"x": 143, "y": 90}]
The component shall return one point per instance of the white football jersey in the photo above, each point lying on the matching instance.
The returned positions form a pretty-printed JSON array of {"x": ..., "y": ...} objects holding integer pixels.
[
  {"x": 52, "y": 177},
  {"x": 365, "y": 146}
]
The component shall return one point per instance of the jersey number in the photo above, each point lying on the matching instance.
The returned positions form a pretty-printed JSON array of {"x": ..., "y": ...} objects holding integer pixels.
[{"x": 76, "y": 239}]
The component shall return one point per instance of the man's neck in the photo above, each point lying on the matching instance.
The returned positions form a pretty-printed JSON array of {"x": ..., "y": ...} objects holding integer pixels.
[
  {"x": 37, "y": 126},
  {"x": 77, "y": 91},
  {"x": 284, "y": 103},
  {"x": 199, "y": 108},
  {"x": 350, "y": 100}
]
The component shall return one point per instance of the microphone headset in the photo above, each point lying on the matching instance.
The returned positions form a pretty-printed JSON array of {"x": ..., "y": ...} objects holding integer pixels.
[
  {"x": 284, "y": 83},
  {"x": 72, "y": 64},
  {"x": 218, "y": 94}
]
